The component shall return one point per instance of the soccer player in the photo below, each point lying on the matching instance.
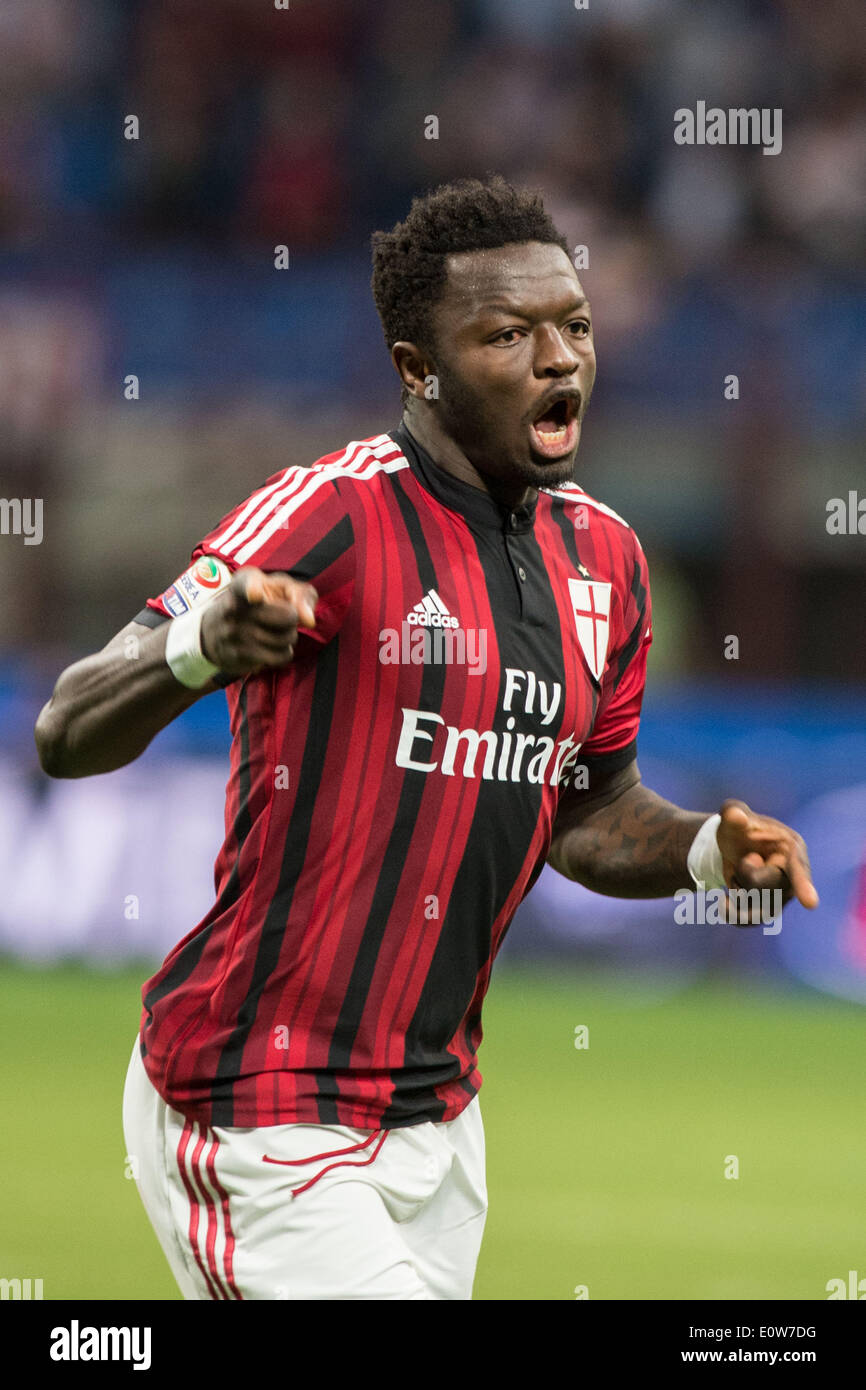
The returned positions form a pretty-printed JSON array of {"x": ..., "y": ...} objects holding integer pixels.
[{"x": 433, "y": 645}]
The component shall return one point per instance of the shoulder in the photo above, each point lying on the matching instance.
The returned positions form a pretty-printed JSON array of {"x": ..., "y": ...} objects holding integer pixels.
[
  {"x": 593, "y": 520},
  {"x": 575, "y": 502},
  {"x": 303, "y": 496},
  {"x": 360, "y": 461}
]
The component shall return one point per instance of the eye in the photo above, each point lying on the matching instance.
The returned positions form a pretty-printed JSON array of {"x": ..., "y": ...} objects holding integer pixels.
[
  {"x": 505, "y": 334},
  {"x": 581, "y": 326}
]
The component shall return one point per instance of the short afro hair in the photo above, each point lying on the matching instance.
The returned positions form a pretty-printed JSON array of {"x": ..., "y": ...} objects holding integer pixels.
[{"x": 466, "y": 215}]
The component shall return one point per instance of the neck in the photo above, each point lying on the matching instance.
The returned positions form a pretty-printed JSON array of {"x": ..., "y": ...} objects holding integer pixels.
[{"x": 424, "y": 425}]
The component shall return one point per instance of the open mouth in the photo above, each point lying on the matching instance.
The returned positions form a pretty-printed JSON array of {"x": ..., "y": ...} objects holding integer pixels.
[{"x": 554, "y": 430}]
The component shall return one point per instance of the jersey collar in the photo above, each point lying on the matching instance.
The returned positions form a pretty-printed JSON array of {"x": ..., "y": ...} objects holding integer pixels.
[{"x": 476, "y": 506}]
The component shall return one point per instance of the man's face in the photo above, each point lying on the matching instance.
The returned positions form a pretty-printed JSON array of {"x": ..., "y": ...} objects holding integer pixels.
[{"x": 515, "y": 361}]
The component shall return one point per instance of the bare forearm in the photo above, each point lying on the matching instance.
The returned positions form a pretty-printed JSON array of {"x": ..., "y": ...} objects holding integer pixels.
[
  {"x": 636, "y": 846},
  {"x": 107, "y": 708}
]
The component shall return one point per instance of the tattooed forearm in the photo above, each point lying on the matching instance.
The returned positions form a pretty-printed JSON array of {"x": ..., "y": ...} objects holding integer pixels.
[{"x": 633, "y": 847}]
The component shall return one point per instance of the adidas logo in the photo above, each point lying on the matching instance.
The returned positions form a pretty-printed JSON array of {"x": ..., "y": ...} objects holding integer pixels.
[{"x": 430, "y": 612}]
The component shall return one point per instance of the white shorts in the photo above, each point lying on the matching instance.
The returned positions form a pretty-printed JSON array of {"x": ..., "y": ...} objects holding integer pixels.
[{"x": 308, "y": 1211}]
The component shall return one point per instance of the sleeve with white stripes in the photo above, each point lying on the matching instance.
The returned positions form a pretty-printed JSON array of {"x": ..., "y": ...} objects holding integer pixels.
[{"x": 296, "y": 522}]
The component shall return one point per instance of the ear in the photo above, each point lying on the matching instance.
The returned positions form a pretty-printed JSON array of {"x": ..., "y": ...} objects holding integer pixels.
[{"x": 414, "y": 367}]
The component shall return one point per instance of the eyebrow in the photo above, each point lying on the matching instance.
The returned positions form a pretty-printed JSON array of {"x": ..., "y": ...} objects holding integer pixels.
[{"x": 507, "y": 306}]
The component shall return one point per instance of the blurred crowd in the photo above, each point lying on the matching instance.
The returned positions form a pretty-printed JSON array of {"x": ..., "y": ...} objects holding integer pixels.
[{"x": 307, "y": 126}]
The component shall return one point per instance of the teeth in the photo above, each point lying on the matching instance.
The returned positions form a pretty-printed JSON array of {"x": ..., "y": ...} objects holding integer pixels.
[{"x": 556, "y": 434}]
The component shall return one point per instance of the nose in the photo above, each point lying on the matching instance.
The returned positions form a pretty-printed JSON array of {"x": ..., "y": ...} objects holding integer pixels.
[{"x": 554, "y": 356}]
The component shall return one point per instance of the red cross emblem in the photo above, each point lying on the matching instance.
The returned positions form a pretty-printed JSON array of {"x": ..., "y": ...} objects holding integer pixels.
[{"x": 590, "y": 603}]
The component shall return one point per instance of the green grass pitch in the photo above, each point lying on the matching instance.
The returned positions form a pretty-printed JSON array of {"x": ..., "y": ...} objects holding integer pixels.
[{"x": 606, "y": 1164}]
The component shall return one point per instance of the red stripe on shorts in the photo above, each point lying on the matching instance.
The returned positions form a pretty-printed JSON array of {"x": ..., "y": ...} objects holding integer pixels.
[
  {"x": 345, "y": 1163},
  {"x": 228, "y": 1253},
  {"x": 193, "y": 1206},
  {"x": 212, "y": 1222},
  {"x": 316, "y": 1158}
]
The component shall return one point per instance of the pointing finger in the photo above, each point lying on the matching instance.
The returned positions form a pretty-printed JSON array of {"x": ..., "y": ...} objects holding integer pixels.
[{"x": 797, "y": 869}]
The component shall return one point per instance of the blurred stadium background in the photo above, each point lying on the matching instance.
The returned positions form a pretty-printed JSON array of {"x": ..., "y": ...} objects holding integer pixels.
[{"x": 155, "y": 257}]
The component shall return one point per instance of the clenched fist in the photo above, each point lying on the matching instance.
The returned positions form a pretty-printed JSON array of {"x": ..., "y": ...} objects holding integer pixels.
[{"x": 254, "y": 621}]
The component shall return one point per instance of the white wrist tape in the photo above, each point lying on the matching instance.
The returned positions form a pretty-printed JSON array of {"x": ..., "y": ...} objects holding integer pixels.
[
  {"x": 705, "y": 858},
  {"x": 183, "y": 651}
]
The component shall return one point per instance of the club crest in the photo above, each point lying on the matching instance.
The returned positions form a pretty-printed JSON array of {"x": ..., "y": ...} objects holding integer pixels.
[{"x": 590, "y": 603}]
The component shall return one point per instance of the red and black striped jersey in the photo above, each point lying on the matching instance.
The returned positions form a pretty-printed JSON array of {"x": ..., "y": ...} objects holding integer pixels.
[{"x": 392, "y": 792}]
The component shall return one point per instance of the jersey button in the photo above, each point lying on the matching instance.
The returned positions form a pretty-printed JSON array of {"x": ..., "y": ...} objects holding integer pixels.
[{"x": 522, "y": 574}]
